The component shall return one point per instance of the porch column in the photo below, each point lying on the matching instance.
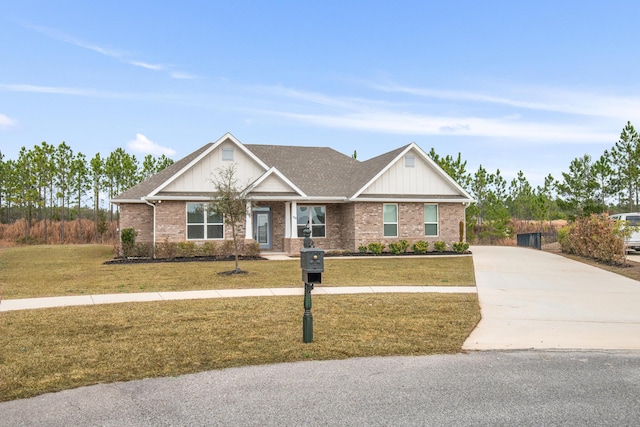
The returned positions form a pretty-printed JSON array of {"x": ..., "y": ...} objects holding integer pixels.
[
  {"x": 294, "y": 220},
  {"x": 248, "y": 233},
  {"x": 287, "y": 220}
]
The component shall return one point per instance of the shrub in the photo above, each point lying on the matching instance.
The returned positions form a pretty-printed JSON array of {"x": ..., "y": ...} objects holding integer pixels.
[
  {"x": 362, "y": 249},
  {"x": 226, "y": 249},
  {"x": 595, "y": 237},
  {"x": 376, "y": 248},
  {"x": 420, "y": 247},
  {"x": 563, "y": 239},
  {"x": 144, "y": 250},
  {"x": 398, "y": 247},
  {"x": 460, "y": 247},
  {"x": 187, "y": 249},
  {"x": 252, "y": 249},
  {"x": 209, "y": 248},
  {"x": 439, "y": 246},
  {"x": 167, "y": 249},
  {"x": 128, "y": 239}
]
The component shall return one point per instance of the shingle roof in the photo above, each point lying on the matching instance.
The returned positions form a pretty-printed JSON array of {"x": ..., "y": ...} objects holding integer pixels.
[
  {"x": 317, "y": 171},
  {"x": 137, "y": 192}
]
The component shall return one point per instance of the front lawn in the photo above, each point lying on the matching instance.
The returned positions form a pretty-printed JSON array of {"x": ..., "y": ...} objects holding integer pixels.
[
  {"x": 60, "y": 348},
  {"x": 43, "y": 271}
]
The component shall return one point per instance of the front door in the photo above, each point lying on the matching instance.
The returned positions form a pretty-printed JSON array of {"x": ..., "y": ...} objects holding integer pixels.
[{"x": 262, "y": 227}]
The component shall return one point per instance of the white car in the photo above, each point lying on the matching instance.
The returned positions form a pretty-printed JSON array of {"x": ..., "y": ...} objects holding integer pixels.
[{"x": 633, "y": 242}]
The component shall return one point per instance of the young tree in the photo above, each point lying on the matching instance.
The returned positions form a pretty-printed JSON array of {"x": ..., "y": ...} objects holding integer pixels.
[
  {"x": 455, "y": 168},
  {"x": 27, "y": 187},
  {"x": 63, "y": 159},
  {"x": 44, "y": 168},
  {"x": 578, "y": 186},
  {"x": 602, "y": 172},
  {"x": 149, "y": 167},
  {"x": 230, "y": 201},
  {"x": 626, "y": 160},
  {"x": 96, "y": 171},
  {"x": 10, "y": 186},
  {"x": 521, "y": 198},
  {"x": 3, "y": 179},
  {"x": 79, "y": 184}
]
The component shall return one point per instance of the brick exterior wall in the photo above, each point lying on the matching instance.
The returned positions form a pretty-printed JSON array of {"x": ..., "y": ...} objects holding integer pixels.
[
  {"x": 369, "y": 223},
  {"x": 348, "y": 224},
  {"x": 138, "y": 216}
]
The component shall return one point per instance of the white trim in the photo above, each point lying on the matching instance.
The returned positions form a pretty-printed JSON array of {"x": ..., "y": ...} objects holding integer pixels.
[
  {"x": 424, "y": 223},
  {"x": 279, "y": 174},
  {"x": 310, "y": 223},
  {"x": 425, "y": 157},
  {"x": 248, "y": 234},
  {"x": 294, "y": 220},
  {"x": 287, "y": 219},
  {"x": 397, "y": 223},
  {"x": 226, "y": 137},
  {"x": 205, "y": 224},
  {"x": 412, "y": 200}
]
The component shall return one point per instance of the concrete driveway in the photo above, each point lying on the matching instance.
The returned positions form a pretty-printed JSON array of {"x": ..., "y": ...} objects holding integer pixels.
[{"x": 536, "y": 300}]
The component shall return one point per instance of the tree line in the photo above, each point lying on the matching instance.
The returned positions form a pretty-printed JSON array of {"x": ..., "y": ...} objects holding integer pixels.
[
  {"x": 607, "y": 184},
  {"x": 52, "y": 183}
]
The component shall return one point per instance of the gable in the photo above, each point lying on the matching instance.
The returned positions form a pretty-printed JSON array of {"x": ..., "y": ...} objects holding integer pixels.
[
  {"x": 199, "y": 175},
  {"x": 421, "y": 179},
  {"x": 273, "y": 184}
]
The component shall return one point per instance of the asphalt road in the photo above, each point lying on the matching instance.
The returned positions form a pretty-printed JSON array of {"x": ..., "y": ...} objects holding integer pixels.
[{"x": 496, "y": 388}]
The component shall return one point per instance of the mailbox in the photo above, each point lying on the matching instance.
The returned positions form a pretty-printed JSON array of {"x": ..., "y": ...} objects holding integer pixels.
[{"x": 312, "y": 265}]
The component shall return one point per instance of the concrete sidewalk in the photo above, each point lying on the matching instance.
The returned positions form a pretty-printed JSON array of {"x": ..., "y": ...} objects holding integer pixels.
[
  {"x": 33, "y": 303},
  {"x": 537, "y": 300}
]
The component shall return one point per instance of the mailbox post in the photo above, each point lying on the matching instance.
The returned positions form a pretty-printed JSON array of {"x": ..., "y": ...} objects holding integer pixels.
[{"x": 312, "y": 265}]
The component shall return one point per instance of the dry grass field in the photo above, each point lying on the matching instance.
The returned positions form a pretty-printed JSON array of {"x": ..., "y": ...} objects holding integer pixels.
[
  {"x": 61, "y": 270},
  {"x": 54, "y": 349}
]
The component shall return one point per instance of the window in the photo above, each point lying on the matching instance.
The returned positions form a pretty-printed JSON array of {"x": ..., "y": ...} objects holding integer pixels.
[
  {"x": 409, "y": 161},
  {"x": 227, "y": 153},
  {"x": 430, "y": 220},
  {"x": 315, "y": 217},
  {"x": 390, "y": 218},
  {"x": 203, "y": 224}
]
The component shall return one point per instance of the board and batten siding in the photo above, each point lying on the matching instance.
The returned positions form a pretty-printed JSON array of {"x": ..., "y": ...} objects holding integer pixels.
[
  {"x": 419, "y": 179},
  {"x": 199, "y": 177},
  {"x": 273, "y": 184}
]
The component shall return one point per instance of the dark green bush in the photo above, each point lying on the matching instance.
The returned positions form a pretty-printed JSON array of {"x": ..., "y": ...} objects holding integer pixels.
[{"x": 128, "y": 239}]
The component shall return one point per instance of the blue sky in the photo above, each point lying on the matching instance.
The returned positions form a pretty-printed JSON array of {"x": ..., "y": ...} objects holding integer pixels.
[{"x": 514, "y": 85}]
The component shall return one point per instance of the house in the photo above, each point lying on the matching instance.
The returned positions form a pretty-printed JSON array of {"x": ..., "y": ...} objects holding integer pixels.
[{"x": 402, "y": 194}]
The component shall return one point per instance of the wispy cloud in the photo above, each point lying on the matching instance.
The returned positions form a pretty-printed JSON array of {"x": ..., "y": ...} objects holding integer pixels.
[
  {"x": 182, "y": 76},
  {"x": 7, "y": 122},
  {"x": 119, "y": 55},
  {"x": 142, "y": 144},
  {"x": 590, "y": 103},
  {"x": 64, "y": 90},
  {"x": 376, "y": 114},
  {"x": 416, "y": 124}
]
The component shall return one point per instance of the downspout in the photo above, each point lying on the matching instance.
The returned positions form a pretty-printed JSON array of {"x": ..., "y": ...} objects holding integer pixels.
[{"x": 153, "y": 205}]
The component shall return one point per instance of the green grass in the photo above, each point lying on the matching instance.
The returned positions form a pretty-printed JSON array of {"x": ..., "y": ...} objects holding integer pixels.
[
  {"x": 60, "y": 348},
  {"x": 43, "y": 271}
]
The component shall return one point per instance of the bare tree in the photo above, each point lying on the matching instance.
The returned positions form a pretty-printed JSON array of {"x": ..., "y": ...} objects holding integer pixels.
[{"x": 231, "y": 202}]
